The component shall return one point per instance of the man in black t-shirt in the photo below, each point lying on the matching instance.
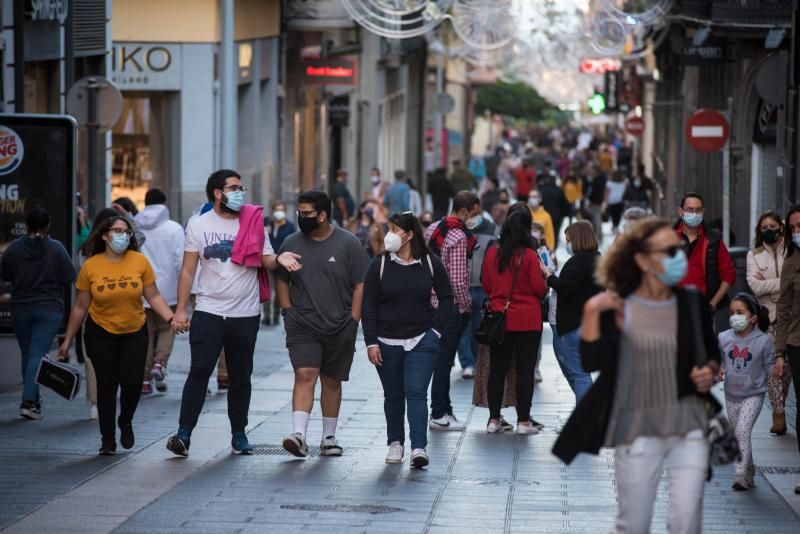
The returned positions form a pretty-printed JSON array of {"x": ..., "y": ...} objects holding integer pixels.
[{"x": 594, "y": 183}]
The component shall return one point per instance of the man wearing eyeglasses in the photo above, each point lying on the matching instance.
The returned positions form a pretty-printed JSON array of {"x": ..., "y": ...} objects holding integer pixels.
[
  {"x": 321, "y": 308},
  {"x": 228, "y": 309},
  {"x": 711, "y": 268}
]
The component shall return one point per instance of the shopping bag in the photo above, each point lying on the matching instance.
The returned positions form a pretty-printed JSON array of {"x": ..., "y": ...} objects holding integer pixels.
[{"x": 61, "y": 377}]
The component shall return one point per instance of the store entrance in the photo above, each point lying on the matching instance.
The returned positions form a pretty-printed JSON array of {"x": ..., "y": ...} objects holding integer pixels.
[{"x": 142, "y": 147}]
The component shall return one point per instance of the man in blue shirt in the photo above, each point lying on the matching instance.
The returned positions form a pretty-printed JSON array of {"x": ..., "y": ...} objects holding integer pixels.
[
  {"x": 343, "y": 205},
  {"x": 398, "y": 196}
]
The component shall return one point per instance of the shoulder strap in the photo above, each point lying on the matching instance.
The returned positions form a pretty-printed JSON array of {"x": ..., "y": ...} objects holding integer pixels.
[
  {"x": 513, "y": 283},
  {"x": 383, "y": 262},
  {"x": 430, "y": 263}
]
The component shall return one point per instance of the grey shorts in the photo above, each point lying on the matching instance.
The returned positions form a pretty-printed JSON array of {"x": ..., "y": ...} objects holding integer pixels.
[{"x": 332, "y": 355}]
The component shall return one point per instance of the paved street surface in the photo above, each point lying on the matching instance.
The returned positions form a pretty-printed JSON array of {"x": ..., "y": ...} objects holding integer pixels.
[{"x": 52, "y": 481}]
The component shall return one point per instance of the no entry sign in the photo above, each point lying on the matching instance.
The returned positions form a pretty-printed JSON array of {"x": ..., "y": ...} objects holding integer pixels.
[
  {"x": 707, "y": 130},
  {"x": 634, "y": 126}
]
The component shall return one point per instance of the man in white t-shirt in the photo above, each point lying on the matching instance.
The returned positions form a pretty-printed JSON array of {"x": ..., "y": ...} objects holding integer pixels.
[{"x": 228, "y": 311}]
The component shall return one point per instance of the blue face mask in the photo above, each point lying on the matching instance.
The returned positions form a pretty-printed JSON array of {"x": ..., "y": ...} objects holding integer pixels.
[
  {"x": 119, "y": 243},
  {"x": 675, "y": 269},
  {"x": 569, "y": 249},
  {"x": 235, "y": 200},
  {"x": 692, "y": 220},
  {"x": 796, "y": 239}
]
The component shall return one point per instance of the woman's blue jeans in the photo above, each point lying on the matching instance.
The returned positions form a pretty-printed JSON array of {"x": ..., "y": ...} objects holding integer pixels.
[
  {"x": 405, "y": 377},
  {"x": 567, "y": 349},
  {"x": 35, "y": 331}
]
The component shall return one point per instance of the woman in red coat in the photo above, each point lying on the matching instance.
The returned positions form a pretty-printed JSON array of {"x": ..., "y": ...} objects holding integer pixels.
[{"x": 514, "y": 261}]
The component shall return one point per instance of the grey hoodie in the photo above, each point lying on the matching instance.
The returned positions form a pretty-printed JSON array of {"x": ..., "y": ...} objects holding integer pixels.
[
  {"x": 748, "y": 362},
  {"x": 40, "y": 271}
]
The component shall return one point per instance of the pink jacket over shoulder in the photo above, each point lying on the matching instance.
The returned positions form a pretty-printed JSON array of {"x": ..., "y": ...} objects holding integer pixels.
[{"x": 248, "y": 247}]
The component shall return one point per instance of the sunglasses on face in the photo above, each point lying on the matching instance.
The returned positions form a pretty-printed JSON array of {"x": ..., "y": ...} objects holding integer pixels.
[{"x": 669, "y": 251}]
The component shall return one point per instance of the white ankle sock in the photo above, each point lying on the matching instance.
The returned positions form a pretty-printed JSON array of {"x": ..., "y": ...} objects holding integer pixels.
[
  {"x": 300, "y": 422},
  {"x": 329, "y": 426}
]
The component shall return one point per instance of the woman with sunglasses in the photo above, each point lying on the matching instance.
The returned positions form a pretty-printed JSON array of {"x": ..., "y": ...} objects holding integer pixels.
[
  {"x": 110, "y": 288},
  {"x": 657, "y": 355},
  {"x": 402, "y": 330},
  {"x": 764, "y": 266}
]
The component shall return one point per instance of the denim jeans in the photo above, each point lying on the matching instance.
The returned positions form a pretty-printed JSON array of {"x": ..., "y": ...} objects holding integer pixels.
[
  {"x": 440, "y": 388},
  {"x": 405, "y": 377},
  {"x": 567, "y": 349},
  {"x": 35, "y": 331},
  {"x": 209, "y": 334},
  {"x": 468, "y": 345}
]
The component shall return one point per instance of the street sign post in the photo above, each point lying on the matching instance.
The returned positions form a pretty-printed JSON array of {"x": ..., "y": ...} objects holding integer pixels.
[
  {"x": 707, "y": 130},
  {"x": 634, "y": 126},
  {"x": 96, "y": 104}
]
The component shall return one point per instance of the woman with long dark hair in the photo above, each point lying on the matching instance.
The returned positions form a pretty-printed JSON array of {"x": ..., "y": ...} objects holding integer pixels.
[
  {"x": 40, "y": 272},
  {"x": 787, "y": 335},
  {"x": 402, "y": 330},
  {"x": 657, "y": 355},
  {"x": 110, "y": 288},
  {"x": 513, "y": 282},
  {"x": 764, "y": 266}
]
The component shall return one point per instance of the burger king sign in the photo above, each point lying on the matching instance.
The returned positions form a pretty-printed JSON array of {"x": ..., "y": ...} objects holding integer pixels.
[{"x": 11, "y": 150}]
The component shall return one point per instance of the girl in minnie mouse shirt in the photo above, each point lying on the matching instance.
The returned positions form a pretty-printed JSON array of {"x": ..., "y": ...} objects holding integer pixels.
[{"x": 748, "y": 359}]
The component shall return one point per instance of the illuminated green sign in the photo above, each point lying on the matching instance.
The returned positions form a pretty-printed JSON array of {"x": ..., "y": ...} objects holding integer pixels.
[{"x": 597, "y": 104}]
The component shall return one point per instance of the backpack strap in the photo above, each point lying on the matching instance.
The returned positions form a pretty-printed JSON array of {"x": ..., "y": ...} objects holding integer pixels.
[
  {"x": 430, "y": 263},
  {"x": 383, "y": 262}
]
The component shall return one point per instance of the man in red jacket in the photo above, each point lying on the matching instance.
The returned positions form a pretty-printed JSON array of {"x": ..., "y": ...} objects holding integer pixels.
[
  {"x": 711, "y": 268},
  {"x": 525, "y": 178}
]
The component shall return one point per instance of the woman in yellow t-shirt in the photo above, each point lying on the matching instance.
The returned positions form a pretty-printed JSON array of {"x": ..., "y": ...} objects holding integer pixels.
[{"x": 110, "y": 288}]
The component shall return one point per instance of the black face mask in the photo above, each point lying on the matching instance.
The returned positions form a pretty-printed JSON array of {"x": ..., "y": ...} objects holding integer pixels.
[
  {"x": 770, "y": 237},
  {"x": 307, "y": 224}
]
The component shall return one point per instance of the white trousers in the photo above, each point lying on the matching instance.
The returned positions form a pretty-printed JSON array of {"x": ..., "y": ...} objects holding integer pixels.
[{"x": 638, "y": 468}]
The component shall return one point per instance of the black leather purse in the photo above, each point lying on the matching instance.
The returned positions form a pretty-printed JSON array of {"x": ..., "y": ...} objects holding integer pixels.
[{"x": 492, "y": 330}]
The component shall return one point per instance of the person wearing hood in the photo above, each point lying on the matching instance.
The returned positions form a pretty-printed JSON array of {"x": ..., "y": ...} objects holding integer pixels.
[
  {"x": 164, "y": 248},
  {"x": 40, "y": 272}
]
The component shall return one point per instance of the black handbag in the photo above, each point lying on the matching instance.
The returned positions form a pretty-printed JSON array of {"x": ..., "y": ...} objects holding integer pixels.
[
  {"x": 492, "y": 330},
  {"x": 723, "y": 447},
  {"x": 61, "y": 377}
]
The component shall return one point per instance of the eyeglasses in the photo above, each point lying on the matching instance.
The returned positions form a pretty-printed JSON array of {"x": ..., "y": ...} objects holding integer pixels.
[
  {"x": 120, "y": 231},
  {"x": 235, "y": 188},
  {"x": 669, "y": 251},
  {"x": 307, "y": 214}
]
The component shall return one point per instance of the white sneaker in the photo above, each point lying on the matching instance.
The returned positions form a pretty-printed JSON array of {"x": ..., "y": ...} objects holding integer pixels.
[
  {"x": 469, "y": 372},
  {"x": 330, "y": 447},
  {"x": 419, "y": 458},
  {"x": 495, "y": 428},
  {"x": 537, "y": 376},
  {"x": 93, "y": 412},
  {"x": 527, "y": 428},
  {"x": 396, "y": 453},
  {"x": 296, "y": 445},
  {"x": 447, "y": 422}
]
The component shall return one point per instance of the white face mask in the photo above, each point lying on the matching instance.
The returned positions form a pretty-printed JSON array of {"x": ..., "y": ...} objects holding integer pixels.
[
  {"x": 279, "y": 215},
  {"x": 534, "y": 202},
  {"x": 537, "y": 235},
  {"x": 376, "y": 180},
  {"x": 739, "y": 323},
  {"x": 392, "y": 242}
]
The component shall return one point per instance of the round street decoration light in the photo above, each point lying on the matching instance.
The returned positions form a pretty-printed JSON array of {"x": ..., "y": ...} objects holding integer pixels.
[{"x": 398, "y": 19}]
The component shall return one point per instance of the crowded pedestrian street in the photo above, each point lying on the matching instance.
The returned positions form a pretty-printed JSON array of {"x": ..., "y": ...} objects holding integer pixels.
[
  {"x": 399, "y": 266},
  {"x": 52, "y": 481}
]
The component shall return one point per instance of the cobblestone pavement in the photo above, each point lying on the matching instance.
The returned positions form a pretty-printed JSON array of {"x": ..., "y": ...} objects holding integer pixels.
[{"x": 52, "y": 481}]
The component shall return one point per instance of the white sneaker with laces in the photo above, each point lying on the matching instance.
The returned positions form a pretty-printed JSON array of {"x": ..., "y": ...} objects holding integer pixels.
[
  {"x": 296, "y": 445},
  {"x": 330, "y": 447},
  {"x": 495, "y": 428},
  {"x": 396, "y": 453},
  {"x": 419, "y": 458},
  {"x": 469, "y": 372},
  {"x": 446, "y": 422},
  {"x": 527, "y": 428},
  {"x": 537, "y": 376},
  {"x": 93, "y": 412}
]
